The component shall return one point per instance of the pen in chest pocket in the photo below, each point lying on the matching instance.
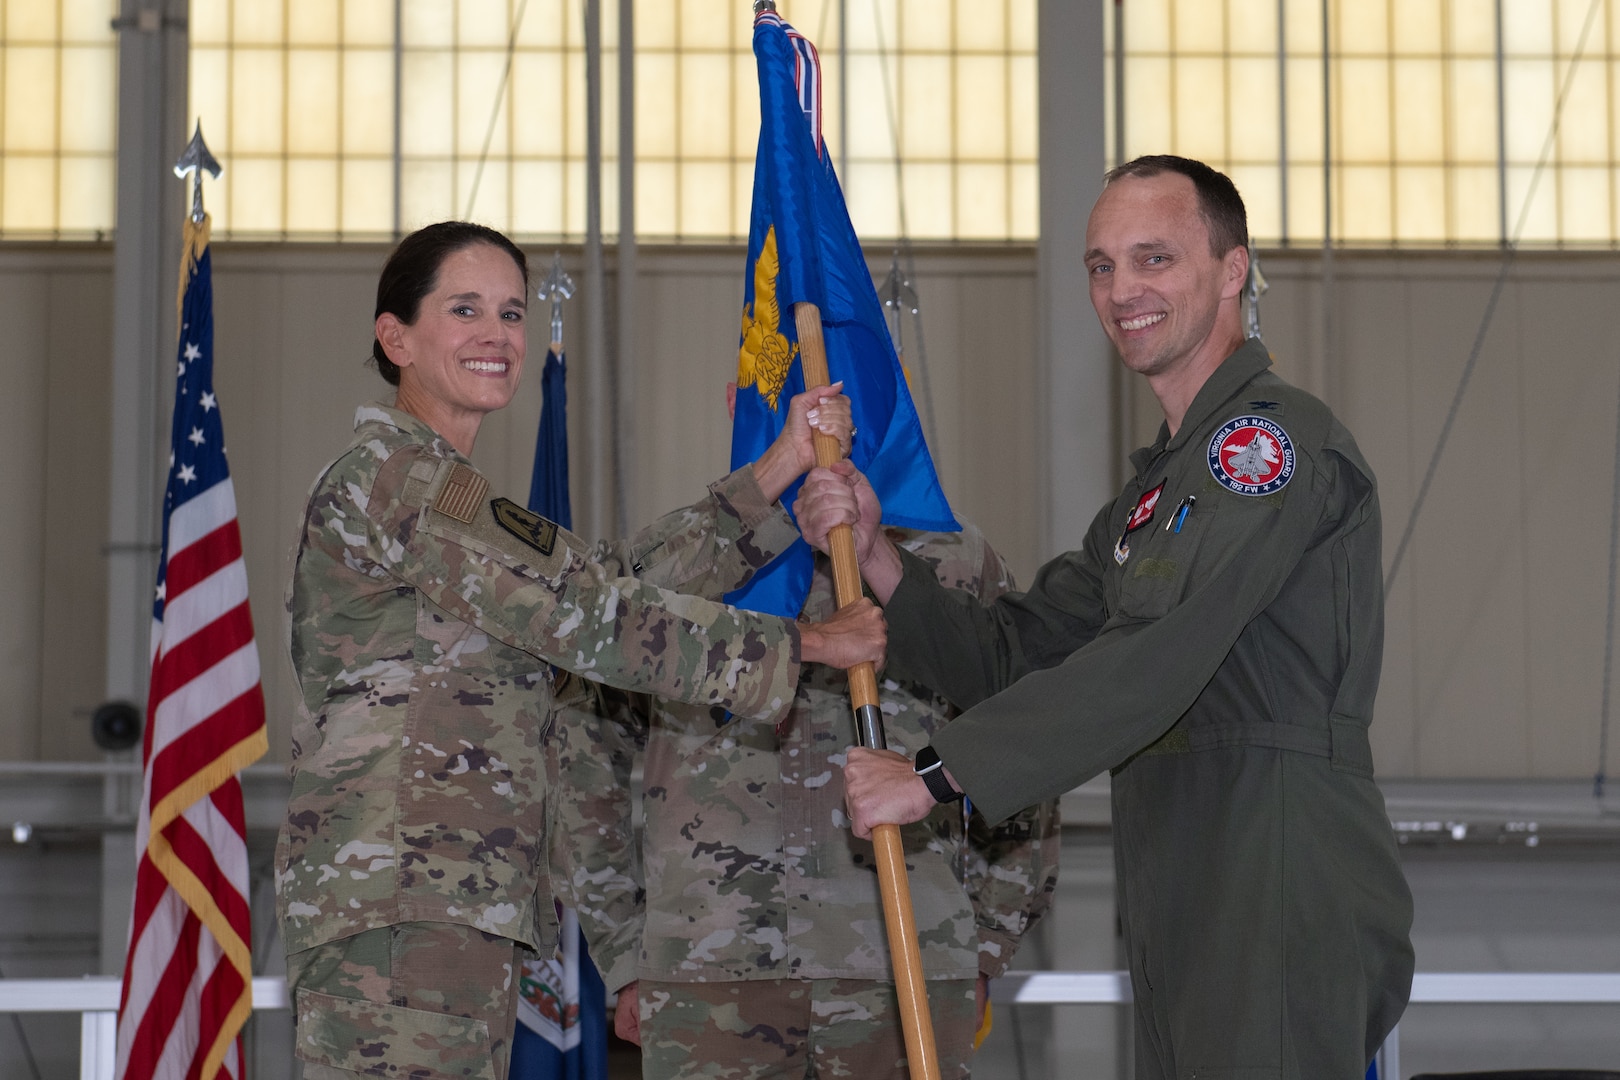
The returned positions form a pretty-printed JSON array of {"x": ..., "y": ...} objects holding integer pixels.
[{"x": 1174, "y": 524}]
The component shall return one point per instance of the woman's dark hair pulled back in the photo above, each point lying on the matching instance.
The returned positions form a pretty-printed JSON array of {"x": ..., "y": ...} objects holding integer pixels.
[{"x": 412, "y": 271}]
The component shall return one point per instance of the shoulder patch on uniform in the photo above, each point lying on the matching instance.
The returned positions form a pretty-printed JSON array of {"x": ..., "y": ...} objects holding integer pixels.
[
  {"x": 463, "y": 490},
  {"x": 526, "y": 525},
  {"x": 1251, "y": 455}
]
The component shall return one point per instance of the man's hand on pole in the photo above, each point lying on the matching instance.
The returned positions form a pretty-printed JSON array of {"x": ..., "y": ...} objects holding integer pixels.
[
  {"x": 841, "y": 495},
  {"x": 880, "y": 788}
]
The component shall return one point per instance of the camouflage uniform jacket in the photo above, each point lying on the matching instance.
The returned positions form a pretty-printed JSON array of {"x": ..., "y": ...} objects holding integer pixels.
[
  {"x": 424, "y": 620},
  {"x": 748, "y": 868}
]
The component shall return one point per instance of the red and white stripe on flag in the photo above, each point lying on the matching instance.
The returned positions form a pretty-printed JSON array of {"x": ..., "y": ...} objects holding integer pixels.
[
  {"x": 188, "y": 975},
  {"x": 806, "y": 73}
]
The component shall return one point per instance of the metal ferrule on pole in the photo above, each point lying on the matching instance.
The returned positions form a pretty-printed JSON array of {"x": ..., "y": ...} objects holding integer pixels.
[{"x": 869, "y": 727}]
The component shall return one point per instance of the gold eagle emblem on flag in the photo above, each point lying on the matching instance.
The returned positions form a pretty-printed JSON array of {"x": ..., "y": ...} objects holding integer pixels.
[{"x": 766, "y": 354}]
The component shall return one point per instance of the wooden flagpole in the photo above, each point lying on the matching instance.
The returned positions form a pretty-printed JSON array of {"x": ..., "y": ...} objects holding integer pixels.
[{"x": 916, "y": 1022}]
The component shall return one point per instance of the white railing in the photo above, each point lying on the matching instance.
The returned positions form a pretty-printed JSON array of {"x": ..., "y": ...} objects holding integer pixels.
[
  {"x": 96, "y": 999},
  {"x": 1437, "y": 988}
]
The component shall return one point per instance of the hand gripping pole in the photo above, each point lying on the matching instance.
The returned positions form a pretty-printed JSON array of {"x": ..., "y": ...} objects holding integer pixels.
[{"x": 917, "y": 1023}]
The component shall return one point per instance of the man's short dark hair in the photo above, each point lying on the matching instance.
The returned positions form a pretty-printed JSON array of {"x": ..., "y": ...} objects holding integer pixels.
[{"x": 1218, "y": 198}]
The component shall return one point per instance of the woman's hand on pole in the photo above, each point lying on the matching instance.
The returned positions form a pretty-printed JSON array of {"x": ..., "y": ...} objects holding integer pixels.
[
  {"x": 824, "y": 410},
  {"x": 855, "y": 634}
]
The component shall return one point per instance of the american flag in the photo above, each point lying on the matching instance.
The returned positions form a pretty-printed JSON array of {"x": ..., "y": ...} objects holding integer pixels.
[{"x": 188, "y": 976}]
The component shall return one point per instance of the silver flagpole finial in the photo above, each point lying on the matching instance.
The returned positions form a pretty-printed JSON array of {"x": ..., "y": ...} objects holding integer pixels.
[
  {"x": 899, "y": 299},
  {"x": 764, "y": 5},
  {"x": 1255, "y": 289},
  {"x": 197, "y": 160},
  {"x": 557, "y": 287}
]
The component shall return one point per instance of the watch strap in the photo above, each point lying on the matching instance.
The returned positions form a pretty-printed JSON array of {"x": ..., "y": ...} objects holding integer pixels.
[{"x": 928, "y": 765}]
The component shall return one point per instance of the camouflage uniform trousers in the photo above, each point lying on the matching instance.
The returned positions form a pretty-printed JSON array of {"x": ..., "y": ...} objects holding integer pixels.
[
  {"x": 427, "y": 1001},
  {"x": 798, "y": 1028}
]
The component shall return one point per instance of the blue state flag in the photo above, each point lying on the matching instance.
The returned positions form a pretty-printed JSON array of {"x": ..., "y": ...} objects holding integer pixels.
[
  {"x": 561, "y": 1033},
  {"x": 802, "y": 248},
  {"x": 548, "y": 483},
  {"x": 561, "y": 1030}
]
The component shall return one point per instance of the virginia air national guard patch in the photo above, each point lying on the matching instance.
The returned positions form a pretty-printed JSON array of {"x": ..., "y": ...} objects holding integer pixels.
[
  {"x": 461, "y": 494},
  {"x": 1251, "y": 455},
  {"x": 526, "y": 525}
]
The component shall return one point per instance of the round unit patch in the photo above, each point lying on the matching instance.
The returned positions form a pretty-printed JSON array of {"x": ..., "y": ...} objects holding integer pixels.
[{"x": 1251, "y": 456}]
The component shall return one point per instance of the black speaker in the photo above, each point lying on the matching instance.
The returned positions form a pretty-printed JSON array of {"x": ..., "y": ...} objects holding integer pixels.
[{"x": 116, "y": 725}]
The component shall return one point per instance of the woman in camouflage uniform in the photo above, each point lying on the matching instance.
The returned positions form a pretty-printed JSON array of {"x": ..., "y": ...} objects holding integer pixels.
[
  {"x": 743, "y": 928},
  {"x": 426, "y": 618}
]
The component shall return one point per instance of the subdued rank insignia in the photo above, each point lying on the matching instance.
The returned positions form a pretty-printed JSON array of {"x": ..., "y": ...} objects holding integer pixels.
[
  {"x": 1251, "y": 456},
  {"x": 526, "y": 525},
  {"x": 461, "y": 494}
]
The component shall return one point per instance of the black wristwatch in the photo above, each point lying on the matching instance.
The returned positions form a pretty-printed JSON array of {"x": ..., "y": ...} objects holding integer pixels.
[{"x": 928, "y": 766}]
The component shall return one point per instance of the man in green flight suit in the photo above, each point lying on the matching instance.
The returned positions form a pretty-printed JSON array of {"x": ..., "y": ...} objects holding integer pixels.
[{"x": 1215, "y": 643}]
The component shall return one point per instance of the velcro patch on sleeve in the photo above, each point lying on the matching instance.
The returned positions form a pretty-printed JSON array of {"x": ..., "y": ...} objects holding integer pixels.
[
  {"x": 529, "y": 527},
  {"x": 462, "y": 493}
]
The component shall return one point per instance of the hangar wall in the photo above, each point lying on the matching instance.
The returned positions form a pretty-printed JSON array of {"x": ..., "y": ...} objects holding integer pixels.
[{"x": 1494, "y": 660}]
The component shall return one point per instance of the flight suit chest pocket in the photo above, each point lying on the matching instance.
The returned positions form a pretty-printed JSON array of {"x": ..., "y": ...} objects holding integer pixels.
[{"x": 1159, "y": 557}]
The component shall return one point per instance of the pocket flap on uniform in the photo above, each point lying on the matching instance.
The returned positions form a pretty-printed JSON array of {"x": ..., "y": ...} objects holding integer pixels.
[{"x": 388, "y": 1040}]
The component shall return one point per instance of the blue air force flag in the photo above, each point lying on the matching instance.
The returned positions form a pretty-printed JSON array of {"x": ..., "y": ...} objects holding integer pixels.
[{"x": 802, "y": 247}]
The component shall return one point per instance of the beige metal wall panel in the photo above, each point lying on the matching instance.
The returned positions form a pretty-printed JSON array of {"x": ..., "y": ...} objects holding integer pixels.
[
  {"x": 1568, "y": 389},
  {"x": 1494, "y": 647},
  {"x": 291, "y": 330},
  {"x": 1463, "y": 577},
  {"x": 55, "y": 311},
  {"x": 981, "y": 331},
  {"x": 1374, "y": 398},
  {"x": 251, "y": 365},
  {"x": 688, "y": 327},
  {"x": 77, "y": 417},
  {"x": 1495, "y": 625},
  {"x": 24, "y": 312}
]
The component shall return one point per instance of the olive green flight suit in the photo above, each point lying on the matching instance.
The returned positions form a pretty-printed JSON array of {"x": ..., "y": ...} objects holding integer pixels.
[{"x": 1225, "y": 671}]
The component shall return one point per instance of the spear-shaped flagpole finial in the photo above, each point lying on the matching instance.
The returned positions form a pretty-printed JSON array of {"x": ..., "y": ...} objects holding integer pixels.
[
  {"x": 557, "y": 287},
  {"x": 197, "y": 160},
  {"x": 900, "y": 299},
  {"x": 1255, "y": 289}
]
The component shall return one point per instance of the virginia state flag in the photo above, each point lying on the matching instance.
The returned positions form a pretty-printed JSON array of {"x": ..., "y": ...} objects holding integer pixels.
[
  {"x": 802, "y": 247},
  {"x": 561, "y": 1030}
]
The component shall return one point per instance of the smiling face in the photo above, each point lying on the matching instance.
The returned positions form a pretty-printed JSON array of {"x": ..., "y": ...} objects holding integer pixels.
[
  {"x": 462, "y": 357},
  {"x": 1165, "y": 300}
]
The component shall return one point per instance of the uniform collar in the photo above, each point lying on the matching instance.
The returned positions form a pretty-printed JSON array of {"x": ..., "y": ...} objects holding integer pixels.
[
  {"x": 1234, "y": 373},
  {"x": 376, "y": 414}
]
